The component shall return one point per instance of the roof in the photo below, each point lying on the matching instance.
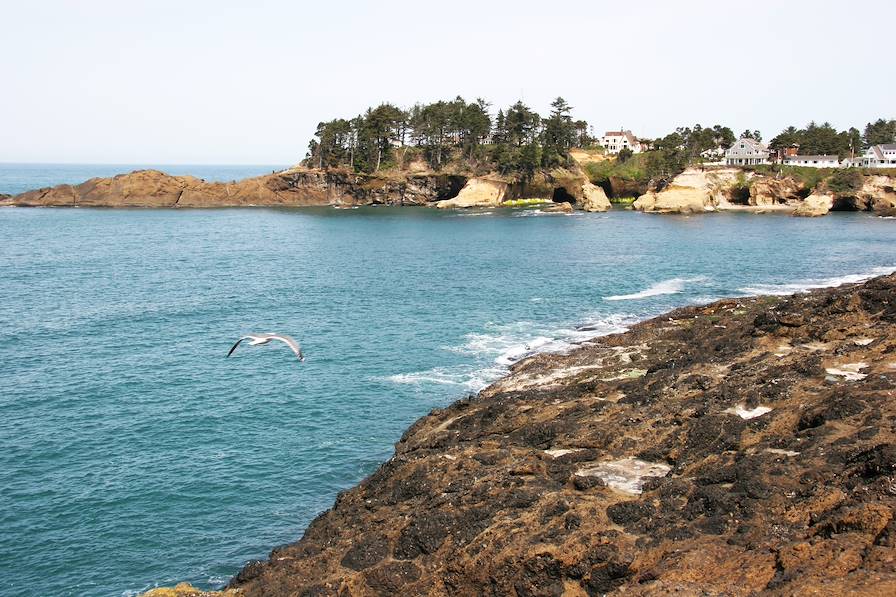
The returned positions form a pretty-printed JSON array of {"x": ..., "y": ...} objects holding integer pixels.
[
  {"x": 752, "y": 142},
  {"x": 627, "y": 134},
  {"x": 878, "y": 150},
  {"x": 819, "y": 158}
]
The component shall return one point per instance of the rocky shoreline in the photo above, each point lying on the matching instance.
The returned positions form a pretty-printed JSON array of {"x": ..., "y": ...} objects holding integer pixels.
[
  {"x": 304, "y": 187},
  {"x": 696, "y": 190},
  {"x": 738, "y": 448}
]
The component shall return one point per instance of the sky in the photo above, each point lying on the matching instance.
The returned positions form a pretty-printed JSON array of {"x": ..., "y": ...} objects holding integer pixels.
[{"x": 226, "y": 82}]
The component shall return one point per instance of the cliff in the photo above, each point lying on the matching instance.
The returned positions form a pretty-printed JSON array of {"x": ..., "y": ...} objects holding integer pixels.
[
  {"x": 743, "y": 447},
  {"x": 698, "y": 190},
  {"x": 695, "y": 190},
  {"x": 298, "y": 187},
  {"x": 295, "y": 187}
]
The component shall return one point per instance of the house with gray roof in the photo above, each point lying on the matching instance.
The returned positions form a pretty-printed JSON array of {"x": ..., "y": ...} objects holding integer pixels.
[
  {"x": 616, "y": 141},
  {"x": 878, "y": 156},
  {"x": 746, "y": 152}
]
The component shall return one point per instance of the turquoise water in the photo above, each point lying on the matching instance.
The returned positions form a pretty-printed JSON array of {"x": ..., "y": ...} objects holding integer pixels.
[
  {"x": 132, "y": 452},
  {"x": 18, "y": 178}
]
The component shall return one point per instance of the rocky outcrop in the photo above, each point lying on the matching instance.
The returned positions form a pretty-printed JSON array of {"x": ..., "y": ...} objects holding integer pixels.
[
  {"x": 767, "y": 191},
  {"x": 740, "y": 448},
  {"x": 478, "y": 192},
  {"x": 697, "y": 190},
  {"x": 816, "y": 204},
  {"x": 297, "y": 187},
  {"x": 621, "y": 187},
  {"x": 878, "y": 194},
  {"x": 693, "y": 191},
  {"x": 563, "y": 207},
  {"x": 594, "y": 198}
]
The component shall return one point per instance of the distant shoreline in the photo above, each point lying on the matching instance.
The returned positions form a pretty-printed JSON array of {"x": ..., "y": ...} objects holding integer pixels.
[{"x": 695, "y": 190}]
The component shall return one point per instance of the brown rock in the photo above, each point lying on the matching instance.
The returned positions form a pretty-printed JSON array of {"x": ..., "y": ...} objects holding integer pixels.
[
  {"x": 574, "y": 476},
  {"x": 774, "y": 191},
  {"x": 297, "y": 187},
  {"x": 563, "y": 207}
]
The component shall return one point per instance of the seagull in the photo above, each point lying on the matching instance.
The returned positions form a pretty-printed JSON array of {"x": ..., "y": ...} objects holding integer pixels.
[{"x": 259, "y": 339}]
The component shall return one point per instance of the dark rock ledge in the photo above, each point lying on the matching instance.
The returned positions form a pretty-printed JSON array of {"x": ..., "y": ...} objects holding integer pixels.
[{"x": 740, "y": 448}]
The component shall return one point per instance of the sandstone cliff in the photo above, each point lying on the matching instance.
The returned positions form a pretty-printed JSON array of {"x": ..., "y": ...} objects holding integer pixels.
[
  {"x": 694, "y": 190},
  {"x": 878, "y": 193},
  {"x": 698, "y": 190},
  {"x": 478, "y": 192},
  {"x": 816, "y": 204},
  {"x": 740, "y": 448}
]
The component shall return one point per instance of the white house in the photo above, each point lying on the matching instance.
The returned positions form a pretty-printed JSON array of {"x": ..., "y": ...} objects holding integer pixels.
[
  {"x": 812, "y": 161},
  {"x": 878, "y": 156},
  {"x": 746, "y": 152},
  {"x": 715, "y": 154},
  {"x": 616, "y": 141}
]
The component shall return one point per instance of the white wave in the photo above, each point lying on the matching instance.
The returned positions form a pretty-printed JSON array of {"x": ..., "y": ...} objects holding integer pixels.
[
  {"x": 508, "y": 343},
  {"x": 466, "y": 377},
  {"x": 806, "y": 285},
  {"x": 501, "y": 345},
  {"x": 473, "y": 214},
  {"x": 671, "y": 286}
]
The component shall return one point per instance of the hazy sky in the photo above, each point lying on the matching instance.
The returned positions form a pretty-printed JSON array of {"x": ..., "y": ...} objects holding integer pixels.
[{"x": 246, "y": 82}]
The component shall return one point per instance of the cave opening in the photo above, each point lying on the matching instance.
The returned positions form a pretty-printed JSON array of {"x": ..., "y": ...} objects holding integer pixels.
[
  {"x": 562, "y": 195},
  {"x": 740, "y": 195},
  {"x": 845, "y": 204}
]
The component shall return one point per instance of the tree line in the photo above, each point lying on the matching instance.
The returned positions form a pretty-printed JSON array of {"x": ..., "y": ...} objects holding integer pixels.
[
  {"x": 824, "y": 139},
  {"x": 517, "y": 140}
]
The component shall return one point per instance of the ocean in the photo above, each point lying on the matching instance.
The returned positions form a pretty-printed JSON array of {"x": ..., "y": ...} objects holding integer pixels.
[{"x": 135, "y": 453}]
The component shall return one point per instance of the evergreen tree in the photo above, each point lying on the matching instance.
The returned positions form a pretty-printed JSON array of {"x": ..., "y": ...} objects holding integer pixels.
[
  {"x": 880, "y": 132},
  {"x": 559, "y": 133}
]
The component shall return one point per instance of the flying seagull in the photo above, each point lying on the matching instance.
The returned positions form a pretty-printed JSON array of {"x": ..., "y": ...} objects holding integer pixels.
[{"x": 259, "y": 339}]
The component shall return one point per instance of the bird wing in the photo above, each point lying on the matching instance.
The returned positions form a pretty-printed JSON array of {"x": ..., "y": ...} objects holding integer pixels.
[
  {"x": 289, "y": 341},
  {"x": 237, "y": 344}
]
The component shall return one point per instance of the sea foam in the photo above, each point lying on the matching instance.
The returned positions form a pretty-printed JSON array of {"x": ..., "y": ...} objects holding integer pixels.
[
  {"x": 810, "y": 284},
  {"x": 670, "y": 286},
  {"x": 499, "y": 346}
]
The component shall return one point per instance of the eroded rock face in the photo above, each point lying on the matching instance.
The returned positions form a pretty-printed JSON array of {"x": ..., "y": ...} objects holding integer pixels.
[
  {"x": 693, "y": 191},
  {"x": 620, "y": 187},
  {"x": 879, "y": 194},
  {"x": 707, "y": 451},
  {"x": 478, "y": 192},
  {"x": 594, "y": 198},
  {"x": 298, "y": 187},
  {"x": 766, "y": 191},
  {"x": 816, "y": 204}
]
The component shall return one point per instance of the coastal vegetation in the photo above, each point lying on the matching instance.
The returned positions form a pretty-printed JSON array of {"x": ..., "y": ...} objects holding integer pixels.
[
  {"x": 693, "y": 146},
  {"x": 456, "y": 135},
  {"x": 525, "y": 202}
]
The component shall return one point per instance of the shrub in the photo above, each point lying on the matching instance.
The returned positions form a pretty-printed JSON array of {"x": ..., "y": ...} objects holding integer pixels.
[{"x": 845, "y": 182}]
